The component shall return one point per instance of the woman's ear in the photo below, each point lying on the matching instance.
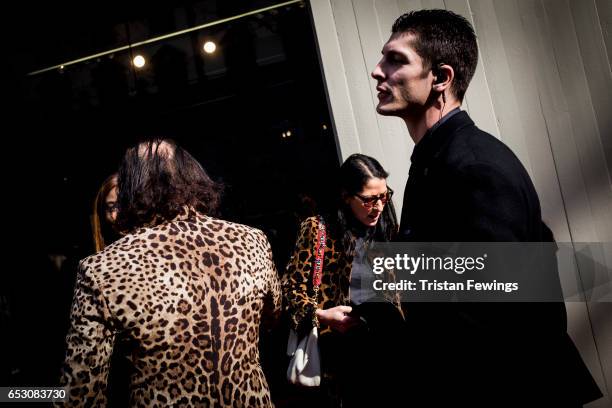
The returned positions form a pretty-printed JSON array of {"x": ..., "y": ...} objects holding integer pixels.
[{"x": 345, "y": 197}]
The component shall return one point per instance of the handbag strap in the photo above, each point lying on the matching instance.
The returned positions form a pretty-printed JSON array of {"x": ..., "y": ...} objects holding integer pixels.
[
  {"x": 319, "y": 254},
  {"x": 318, "y": 265}
]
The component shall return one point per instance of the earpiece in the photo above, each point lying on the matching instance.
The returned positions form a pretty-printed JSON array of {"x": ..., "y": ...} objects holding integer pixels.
[{"x": 439, "y": 73}]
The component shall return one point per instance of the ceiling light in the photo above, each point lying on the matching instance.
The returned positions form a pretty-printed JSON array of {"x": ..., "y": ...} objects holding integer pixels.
[
  {"x": 209, "y": 47},
  {"x": 139, "y": 61}
]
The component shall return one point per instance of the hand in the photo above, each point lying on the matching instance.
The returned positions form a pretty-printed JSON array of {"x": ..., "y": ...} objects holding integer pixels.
[{"x": 337, "y": 318}]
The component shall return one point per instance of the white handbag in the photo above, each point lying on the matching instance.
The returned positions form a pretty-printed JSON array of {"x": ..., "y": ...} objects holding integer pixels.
[{"x": 305, "y": 365}]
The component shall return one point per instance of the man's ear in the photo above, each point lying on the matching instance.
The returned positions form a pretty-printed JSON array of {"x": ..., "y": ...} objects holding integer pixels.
[{"x": 443, "y": 76}]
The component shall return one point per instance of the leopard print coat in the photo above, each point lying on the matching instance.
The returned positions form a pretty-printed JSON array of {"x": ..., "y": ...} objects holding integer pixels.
[
  {"x": 334, "y": 290},
  {"x": 190, "y": 294}
]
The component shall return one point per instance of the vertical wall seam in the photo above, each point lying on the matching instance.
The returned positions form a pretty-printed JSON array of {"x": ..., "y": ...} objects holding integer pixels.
[
  {"x": 365, "y": 65},
  {"x": 346, "y": 86},
  {"x": 601, "y": 30},
  {"x": 484, "y": 71},
  {"x": 588, "y": 89}
]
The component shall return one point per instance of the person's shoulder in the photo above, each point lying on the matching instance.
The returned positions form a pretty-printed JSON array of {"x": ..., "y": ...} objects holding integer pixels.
[
  {"x": 472, "y": 146},
  {"x": 113, "y": 252},
  {"x": 227, "y": 229},
  {"x": 312, "y": 221},
  {"x": 478, "y": 155},
  {"x": 224, "y": 224},
  {"x": 90, "y": 260},
  {"x": 310, "y": 225}
]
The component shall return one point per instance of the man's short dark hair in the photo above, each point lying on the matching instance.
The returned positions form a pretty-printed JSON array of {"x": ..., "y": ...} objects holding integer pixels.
[
  {"x": 157, "y": 180},
  {"x": 443, "y": 37}
]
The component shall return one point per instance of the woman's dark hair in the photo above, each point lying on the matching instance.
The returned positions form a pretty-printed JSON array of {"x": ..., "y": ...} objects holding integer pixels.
[
  {"x": 354, "y": 174},
  {"x": 157, "y": 180}
]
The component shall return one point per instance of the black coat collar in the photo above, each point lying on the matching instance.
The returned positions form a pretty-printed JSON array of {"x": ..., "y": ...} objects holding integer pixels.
[{"x": 438, "y": 136}]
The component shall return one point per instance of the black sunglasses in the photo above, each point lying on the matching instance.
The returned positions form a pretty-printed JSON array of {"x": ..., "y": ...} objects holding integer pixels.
[{"x": 370, "y": 201}]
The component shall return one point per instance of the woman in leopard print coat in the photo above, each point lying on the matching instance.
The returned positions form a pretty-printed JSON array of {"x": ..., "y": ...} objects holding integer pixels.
[{"x": 364, "y": 213}]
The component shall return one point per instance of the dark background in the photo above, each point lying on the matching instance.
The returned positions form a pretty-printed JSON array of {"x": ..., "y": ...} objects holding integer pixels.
[{"x": 65, "y": 131}]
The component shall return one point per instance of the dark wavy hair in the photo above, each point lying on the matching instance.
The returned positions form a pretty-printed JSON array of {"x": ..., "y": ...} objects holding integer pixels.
[
  {"x": 353, "y": 175},
  {"x": 157, "y": 180},
  {"x": 442, "y": 36}
]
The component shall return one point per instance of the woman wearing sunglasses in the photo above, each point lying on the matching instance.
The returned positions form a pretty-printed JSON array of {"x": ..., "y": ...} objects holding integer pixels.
[{"x": 363, "y": 213}]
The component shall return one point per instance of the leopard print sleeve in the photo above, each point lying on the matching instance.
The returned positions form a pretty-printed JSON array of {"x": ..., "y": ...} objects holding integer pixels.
[
  {"x": 272, "y": 301},
  {"x": 297, "y": 281},
  {"x": 90, "y": 342},
  {"x": 393, "y": 296}
]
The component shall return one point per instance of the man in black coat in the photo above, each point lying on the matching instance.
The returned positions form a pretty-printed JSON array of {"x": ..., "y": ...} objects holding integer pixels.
[{"x": 467, "y": 186}]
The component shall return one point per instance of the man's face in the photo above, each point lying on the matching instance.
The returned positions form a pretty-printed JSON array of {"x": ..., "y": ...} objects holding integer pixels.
[{"x": 403, "y": 85}]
